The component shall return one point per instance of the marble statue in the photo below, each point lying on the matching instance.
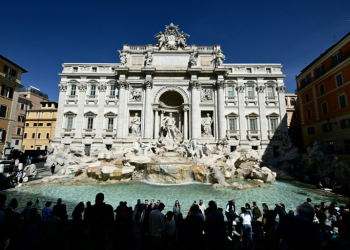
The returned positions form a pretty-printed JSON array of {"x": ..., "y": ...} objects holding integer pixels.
[
  {"x": 169, "y": 125},
  {"x": 135, "y": 125},
  {"x": 122, "y": 57},
  {"x": 135, "y": 94},
  {"x": 193, "y": 58},
  {"x": 181, "y": 39},
  {"x": 172, "y": 38},
  {"x": 206, "y": 95},
  {"x": 219, "y": 58},
  {"x": 161, "y": 39},
  {"x": 207, "y": 122},
  {"x": 148, "y": 58}
]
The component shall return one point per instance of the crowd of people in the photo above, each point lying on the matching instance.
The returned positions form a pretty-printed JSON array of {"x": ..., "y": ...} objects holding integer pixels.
[{"x": 147, "y": 226}]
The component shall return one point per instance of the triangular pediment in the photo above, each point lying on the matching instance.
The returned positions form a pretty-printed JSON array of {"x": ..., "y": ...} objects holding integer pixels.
[
  {"x": 252, "y": 114},
  {"x": 231, "y": 114},
  {"x": 110, "y": 114},
  {"x": 70, "y": 113},
  {"x": 273, "y": 114},
  {"x": 90, "y": 113}
]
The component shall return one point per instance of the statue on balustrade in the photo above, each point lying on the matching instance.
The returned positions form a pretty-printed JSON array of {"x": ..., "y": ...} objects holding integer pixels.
[
  {"x": 135, "y": 125},
  {"x": 122, "y": 57},
  {"x": 207, "y": 122}
]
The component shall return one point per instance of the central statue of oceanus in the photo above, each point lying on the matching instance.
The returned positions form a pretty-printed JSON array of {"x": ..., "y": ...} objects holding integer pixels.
[{"x": 169, "y": 126}]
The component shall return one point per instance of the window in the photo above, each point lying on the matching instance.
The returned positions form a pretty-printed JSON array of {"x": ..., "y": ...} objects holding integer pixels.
[
  {"x": 322, "y": 89},
  {"x": 16, "y": 142},
  {"x": 25, "y": 136},
  {"x": 73, "y": 89},
  {"x": 250, "y": 90},
  {"x": 38, "y": 148},
  {"x": 230, "y": 91},
  {"x": 270, "y": 92},
  {"x": 93, "y": 90},
  {"x": 19, "y": 131},
  {"x": 22, "y": 106},
  {"x": 47, "y": 135},
  {"x": 48, "y": 124},
  {"x": 42, "y": 114},
  {"x": 326, "y": 127},
  {"x": 253, "y": 124},
  {"x": 110, "y": 123},
  {"x": 292, "y": 101},
  {"x": 249, "y": 70},
  {"x": 336, "y": 59},
  {"x": 345, "y": 123},
  {"x": 324, "y": 108},
  {"x": 308, "y": 112},
  {"x": 28, "y": 114},
  {"x": 268, "y": 70},
  {"x": 113, "y": 87},
  {"x": 39, "y": 135},
  {"x": 320, "y": 71},
  {"x": 273, "y": 124},
  {"x": 36, "y": 114},
  {"x": 307, "y": 98},
  {"x": 40, "y": 124},
  {"x": 50, "y": 114},
  {"x": 310, "y": 130},
  {"x": 3, "y": 111},
  {"x": 35, "y": 124},
  {"x": 75, "y": 69},
  {"x": 90, "y": 123},
  {"x": 232, "y": 124},
  {"x": 21, "y": 118},
  {"x": 305, "y": 82},
  {"x": 69, "y": 122},
  {"x": 342, "y": 101},
  {"x": 339, "y": 79},
  {"x": 6, "y": 91},
  {"x": 33, "y": 135},
  {"x": 94, "y": 69},
  {"x": 28, "y": 107}
]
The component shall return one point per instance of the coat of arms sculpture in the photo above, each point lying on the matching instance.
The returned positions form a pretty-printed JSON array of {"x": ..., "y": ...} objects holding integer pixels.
[{"x": 172, "y": 38}]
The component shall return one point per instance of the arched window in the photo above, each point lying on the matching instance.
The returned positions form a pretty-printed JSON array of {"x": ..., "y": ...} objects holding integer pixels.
[{"x": 292, "y": 101}]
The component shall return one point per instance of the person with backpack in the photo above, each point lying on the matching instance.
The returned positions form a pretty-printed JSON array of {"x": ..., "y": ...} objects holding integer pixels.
[
  {"x": 231, "y": 215},
  {"x": 257, "y": 219}
]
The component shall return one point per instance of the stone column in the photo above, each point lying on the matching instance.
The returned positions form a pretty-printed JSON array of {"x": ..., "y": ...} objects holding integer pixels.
[
  {"x": 241, "y": 113},
  {"x": 195, "y": 111},
  {"x": 102, "y": 87},
  {"x": 156, "y": 124},
  {"x": 79, "y": 122},
  {"x": 282, "y": 106},
  {"x": 148, "y": 84},
  {"x": 185, "y": 133},
  {"x": 220, "y": 86},
  {"x": 123, "y": 85},
  {"x": 60, "y": 109}
]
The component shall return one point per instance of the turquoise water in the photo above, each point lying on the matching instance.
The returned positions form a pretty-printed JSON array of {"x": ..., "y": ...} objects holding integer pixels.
[{"x": 280, "y": 192}]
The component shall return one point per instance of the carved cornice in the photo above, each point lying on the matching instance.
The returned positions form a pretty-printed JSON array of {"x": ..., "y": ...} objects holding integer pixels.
[
  {"x": 82, "y": 87},
  {"x": 260, "y": 89},
  {"x": 240, "y": 89},
  {"x": 123, "y": 84},
  {"x": 220, "y": 84},
  {"x": 102, "y": 87},
  {"x": 280, "y": 89},
  {"x": 63, "y": 86},
  {"x": 195, "y": 84},
  {"x": 147, "y": 84}
]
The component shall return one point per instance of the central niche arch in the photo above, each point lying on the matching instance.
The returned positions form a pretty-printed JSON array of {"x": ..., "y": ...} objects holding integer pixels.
[
  {"x": 179, "y": 92},
  {"x": 171, "y": 98}
]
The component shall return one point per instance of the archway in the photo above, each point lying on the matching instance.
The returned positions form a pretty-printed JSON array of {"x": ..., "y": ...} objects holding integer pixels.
[{"x": 171, "y": 98}]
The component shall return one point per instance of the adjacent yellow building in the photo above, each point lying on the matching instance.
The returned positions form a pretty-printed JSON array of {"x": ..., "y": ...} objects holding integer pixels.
[{"x": 40, "y": 126}]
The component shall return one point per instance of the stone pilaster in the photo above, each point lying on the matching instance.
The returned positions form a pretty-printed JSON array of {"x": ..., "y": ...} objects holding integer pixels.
[
  {"x": 220, "y": 86},
  {"x": 148, "y": 84},
  {"x": 156, "y": 124},
  {"x": 122, "y": 123},
  {"x": 264, "y": 127},
  {"x": 241, "y": 112},
  {"x": 102, "y": 88},
  {"x": 79, "y": 123},
  {"x": 283, "y": 113},
  {"x": 60, "y": 109},
  {"x": 195, "y": 111},
  {"x": 185, "y": 133}
]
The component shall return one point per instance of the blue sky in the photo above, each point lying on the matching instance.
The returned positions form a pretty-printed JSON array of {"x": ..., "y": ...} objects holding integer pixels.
[{"x": 41, "y": 35}]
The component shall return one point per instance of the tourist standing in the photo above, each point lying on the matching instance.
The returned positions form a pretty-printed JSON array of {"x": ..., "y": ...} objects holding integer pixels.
[
  {"x": 230, "y": 213},
  {"x": 246, "y": 219},
  {"x": 170, "y": 225},
  {"x": 61, "y": 210},
  {"x": 215, "y": 227},
  {"x": 46, "y": 213},
  {"x": 176, "y": 208},
  {"x": 137, "y": 222},
  {"x": 53, "y": 166},
  {"x": 202, "y": 207},
  {"x": 194, "y": 230},
  {"x": 257, "y": 219},
  {"x": 156, "y": 220}
]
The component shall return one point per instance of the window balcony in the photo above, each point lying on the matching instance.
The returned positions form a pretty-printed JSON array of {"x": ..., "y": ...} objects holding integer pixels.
[
  {"x": 271, "y": 99},
  {"x": 88, "y": 132},
  {"x": 111, "y": 98},
  {"x": 251, "y": 99},
  {"x": 109, "y": 133},
  {"x": 274, "y": 134},
  {"x": 91, "y": 98},
  {"x": 72, "y": 98},
  {"x": 232, "y": 134},
  {"x": 68, "y": 132},
  {"x": 253, "y": 134},
  {"x": 231, "y": 99}
]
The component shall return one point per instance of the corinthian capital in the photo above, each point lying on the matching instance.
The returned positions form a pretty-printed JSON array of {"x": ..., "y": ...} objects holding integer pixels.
[
  {"x": 240, "y": 89},
  {"x": 148, "y": 84},
  {"x": 102, "y": 87},
  {"x": 63, "y": 86},
  {"x": 82, "y": 87},
  {"x": 280, "y": 89},
  {"x": 123, "y": 84},
  {"x": 220, "y": 84},
  {"x": 195, "y": 84}
]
